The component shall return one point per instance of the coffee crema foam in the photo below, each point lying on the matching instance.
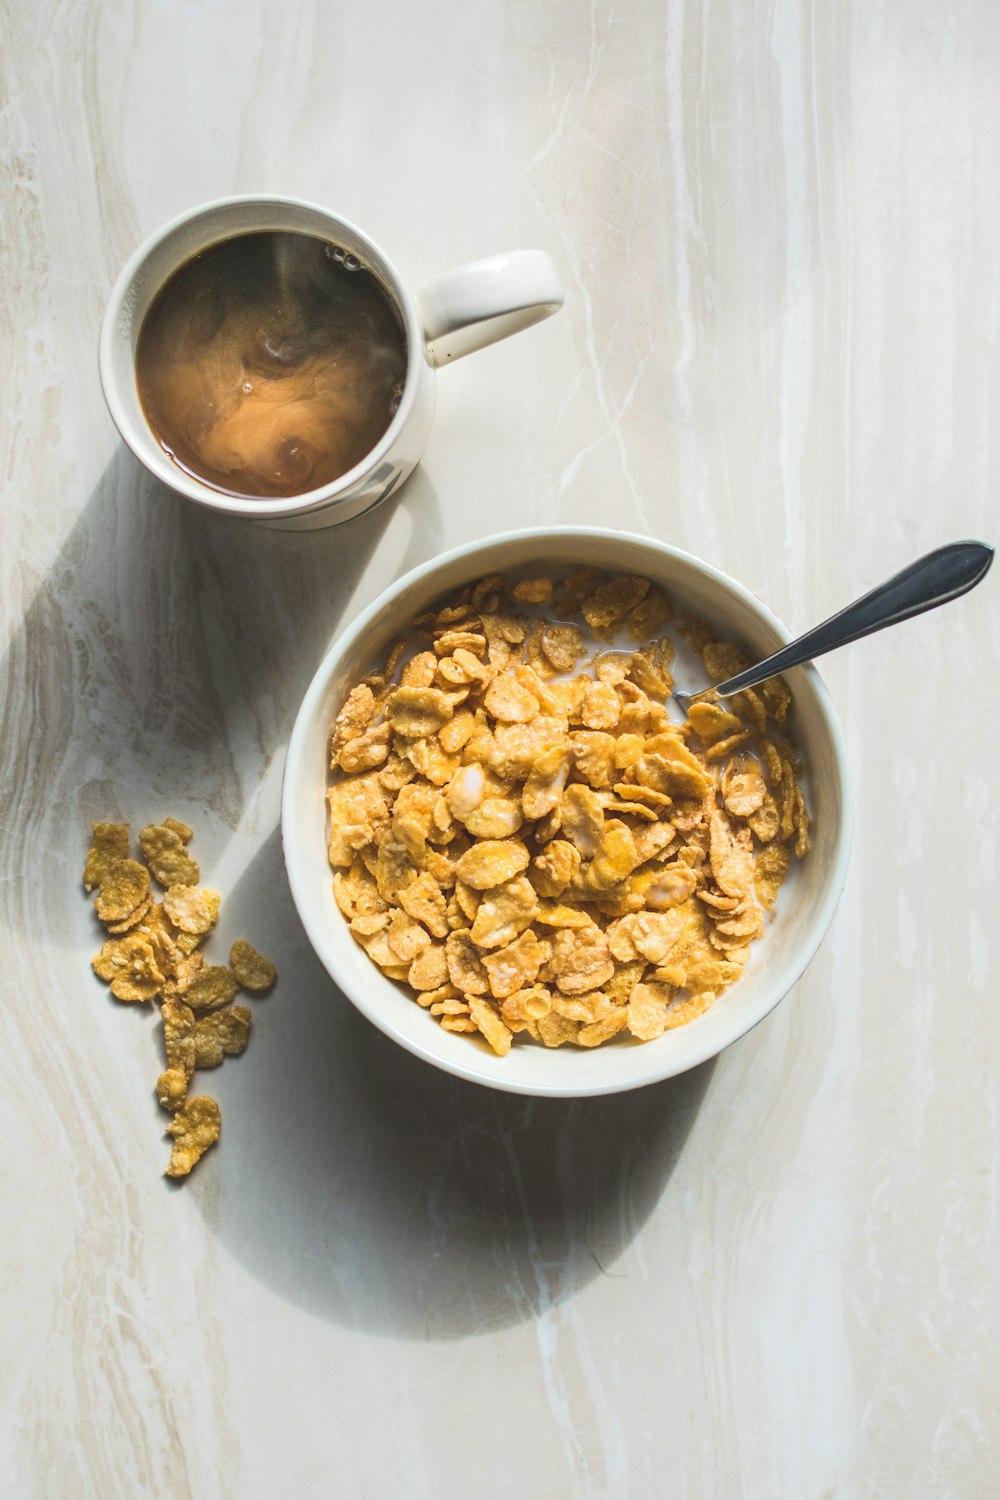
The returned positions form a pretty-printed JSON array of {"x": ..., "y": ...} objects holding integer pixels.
[{"x": 270, "y": 364}]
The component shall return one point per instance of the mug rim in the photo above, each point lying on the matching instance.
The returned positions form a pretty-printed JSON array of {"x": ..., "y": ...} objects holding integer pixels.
[{"x": 153, "y": 457}]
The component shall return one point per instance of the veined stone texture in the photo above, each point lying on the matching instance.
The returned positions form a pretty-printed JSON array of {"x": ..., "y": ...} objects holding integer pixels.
[{"x": 775, "y": 1276}]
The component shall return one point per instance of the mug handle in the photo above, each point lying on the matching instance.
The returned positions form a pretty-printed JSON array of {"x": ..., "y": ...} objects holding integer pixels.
[{"x": 487, "y": 300}]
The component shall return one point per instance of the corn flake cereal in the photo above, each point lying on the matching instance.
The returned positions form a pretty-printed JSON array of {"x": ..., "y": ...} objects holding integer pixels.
[
  {"x": 124, "y": 886},
  {"x": 527, "y": 834},
  {"x": 212, "y": 987},
  {"x": 492, "y": 862},
  {"x": 250, "y": 969},
  {"x": 192, "y": 908},
  {"x": 171, "y": 1089},
  {"x": 134, "y": 918},
  {"x": 533, "y": 591},
  {"x": 224, "y": 1033},
  {"x": 504, "y": 912},
  {"x": 152, "y": 948},
  {"x": 516, "y": 967},
  {"x": 168, "y": 859},
  {"x": 490, "y": 1025},
  {"x": 178, "y": 1037},
  {"x": 109, "y": 845},
  {"x": 194, "y": 1128},
  {"x": 127, "y": 964}
]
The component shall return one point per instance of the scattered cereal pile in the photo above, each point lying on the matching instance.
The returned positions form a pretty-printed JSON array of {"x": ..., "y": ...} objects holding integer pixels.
[
  {"x": 153, "y": 954},
  {"x": 525, "y": 838}
]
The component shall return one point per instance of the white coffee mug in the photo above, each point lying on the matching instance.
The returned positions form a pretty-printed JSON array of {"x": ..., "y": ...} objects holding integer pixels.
[{"x": 462, "y": 310}]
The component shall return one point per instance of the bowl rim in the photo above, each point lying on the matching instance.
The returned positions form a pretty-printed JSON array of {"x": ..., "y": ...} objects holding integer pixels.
[{"x": 296, "y": 767}]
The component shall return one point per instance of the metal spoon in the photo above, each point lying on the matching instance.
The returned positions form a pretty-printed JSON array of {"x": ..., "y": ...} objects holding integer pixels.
[{"x": 942, "y": 575}]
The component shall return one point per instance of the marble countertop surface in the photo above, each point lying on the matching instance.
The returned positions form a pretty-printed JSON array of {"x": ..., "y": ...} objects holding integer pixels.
[{"x": 774, "y": 1276}]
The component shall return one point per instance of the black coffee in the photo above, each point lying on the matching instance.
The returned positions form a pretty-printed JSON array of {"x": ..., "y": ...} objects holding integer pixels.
[{"x": 270, "y": 364}]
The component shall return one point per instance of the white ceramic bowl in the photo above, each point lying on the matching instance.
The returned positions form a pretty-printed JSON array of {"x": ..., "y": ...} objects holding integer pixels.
[{"x": 806, "y": 903}]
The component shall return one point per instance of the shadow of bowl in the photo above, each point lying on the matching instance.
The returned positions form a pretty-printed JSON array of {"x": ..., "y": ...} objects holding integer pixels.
[
  {"x": 376, "y": 1191},
  {"x": 352, "y": 1179}
]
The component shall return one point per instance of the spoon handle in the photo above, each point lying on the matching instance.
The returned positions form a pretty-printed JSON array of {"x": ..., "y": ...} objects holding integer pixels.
[{"x": 942, "y": 575}]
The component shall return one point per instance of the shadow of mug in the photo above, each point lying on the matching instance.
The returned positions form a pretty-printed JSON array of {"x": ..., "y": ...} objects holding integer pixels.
[{"x": 158, "y": 666}]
